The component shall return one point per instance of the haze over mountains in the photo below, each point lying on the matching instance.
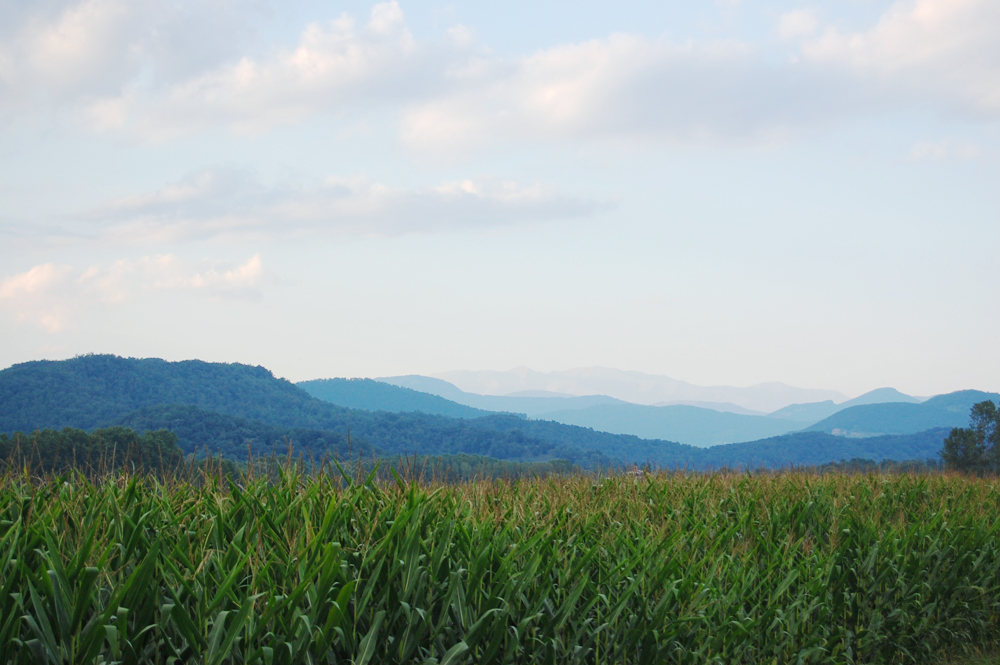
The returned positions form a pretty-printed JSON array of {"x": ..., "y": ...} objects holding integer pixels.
[
  {"x": 694, "y": 422},
  {"x": 232, "y": 409},
  {"x": 631, "y": 386}
]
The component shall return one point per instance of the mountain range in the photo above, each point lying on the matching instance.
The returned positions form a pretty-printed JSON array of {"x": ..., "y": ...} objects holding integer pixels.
[
  {"x": 699, "y": 424},
  {"x": 635, "y": 387},
  {"x": 232, "y": 408}
]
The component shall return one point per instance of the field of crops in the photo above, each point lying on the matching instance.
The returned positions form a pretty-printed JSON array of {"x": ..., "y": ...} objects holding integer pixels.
[{"x": 667, "y": 569}]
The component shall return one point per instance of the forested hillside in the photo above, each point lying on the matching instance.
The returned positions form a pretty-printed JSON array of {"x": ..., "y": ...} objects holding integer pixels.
[
  {"x": 688, "y": 424},
  {"x": 371, "y": 433},
  {"x": 950, "y": 410},
  {"x": 102, "y": 450},
  {"x": 378, "y": 396},
  {"x": 815, "y": 448},
  {"x": 226, "y": 408},
  {"x": 531, "y": 406},
  {"x": 233, "y": 437},
  {"x": 89, "y": 391}
]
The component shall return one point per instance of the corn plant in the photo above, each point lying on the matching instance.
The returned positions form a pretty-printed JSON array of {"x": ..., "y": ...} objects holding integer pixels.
[{"x": 673, "y": 568}]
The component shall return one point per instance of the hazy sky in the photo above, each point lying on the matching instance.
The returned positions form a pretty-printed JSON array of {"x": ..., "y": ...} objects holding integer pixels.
[{"x": 725, "y": 193}]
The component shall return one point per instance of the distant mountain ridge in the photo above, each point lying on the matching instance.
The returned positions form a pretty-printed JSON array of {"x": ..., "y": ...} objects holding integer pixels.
[
  {"x": 700, "y": 424},
  {"x": 530, "y": 406},
  {"x": 949, "y": 410},
  {"x": 687, "y": 424},
  {"x": 233, "y": 407},
  {"x": 815, "y": 411},
  {"x": 379, "y": 396},
  {"x": 632, "y": 386}
]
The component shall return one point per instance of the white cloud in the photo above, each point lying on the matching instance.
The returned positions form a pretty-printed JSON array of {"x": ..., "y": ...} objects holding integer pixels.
[
  {"x": 623, "y": 86},
  {"x": 226, "y": 204},
  {"x": 331, "y": 68},
  {"x": 34, "y": 281},
  {"x": 26, "y": 296},
  {"x": 944, "y": 150},
  {"x": 943, "y": 51},
  {"x": 82, "y": 47},
  {"x": 797, "y": 23},
  {"x": 452, "y": 95},
  {"x": 156, "y": 70},
  {"x": 52, "y": 296}
]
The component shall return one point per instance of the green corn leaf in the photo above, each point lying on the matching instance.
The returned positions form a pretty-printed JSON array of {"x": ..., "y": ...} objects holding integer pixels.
[{"x": 367, "y": 647}]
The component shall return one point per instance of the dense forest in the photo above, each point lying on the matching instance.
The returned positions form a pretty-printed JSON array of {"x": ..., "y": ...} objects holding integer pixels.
[
  {"x": 235, "y": 409},
  {"x": 812, "y": 448},
  {"x": 371, "y": 433},
  {"x": 102, "y": 450},
  {"x": 949, "y": 410},
  {"x": 374, "y": 395}
]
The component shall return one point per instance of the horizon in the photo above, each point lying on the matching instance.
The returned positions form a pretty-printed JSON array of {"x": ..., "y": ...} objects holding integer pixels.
[
  {"x": 730, "y": 194},
  {"x": 472, "y": 389}
]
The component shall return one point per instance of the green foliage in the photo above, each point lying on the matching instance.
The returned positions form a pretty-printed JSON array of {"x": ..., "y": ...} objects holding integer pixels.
[
  {"x": 234, "y": 438},
  {"x": 679, "y": 422},
  {"x": 373, "y": 395},
  {"x": 785, "y": 568},
  {"x": 941, "y": 411},
  {"x": 228, "y": 408},
  {"x": 49, "y": 451},
  {"x": 393, "y": 434},
  {"x": 458, "y": 468},
  {"x": 859, "y": 465},
  {"x": 814, "y": 448},
  {"x": 977, "y": 448},
  {"x": 225, "y": 406}
]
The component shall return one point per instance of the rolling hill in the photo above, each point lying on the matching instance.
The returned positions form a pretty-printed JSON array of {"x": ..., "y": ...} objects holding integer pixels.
[
  {"x": 379, "y": 396},
  {"x": 687, "y": 424},
  {"x": 228, "y": 407},
  {"x": 815, "y": 448},
  {"x": 950, "y": 410},
  {"x": 634, "y": 387},
  {"x": 815, "y": 411},
  {"x": 87, "y": 392},
  {"x": 530, "y": 405}
]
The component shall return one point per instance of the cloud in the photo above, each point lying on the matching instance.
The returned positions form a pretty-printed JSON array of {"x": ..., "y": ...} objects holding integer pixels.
[
  {"x": 228, "y": 203},
  {"x": 154, "y": 70},
  {"x": 25, "y": 295},
  {"x": 944, "y": 150},
  {"x": 332, "y": 68},
  {"x": 121, "y": 74},
  {"x": 37, "y": 280},
  {"x": 80, "y": 48},
  {"x": 622, "y": 86},
  {"x": 51, "y": 296},
  {"x": 91, "y": 56},
  {"x": 943, "y": 51},
  {"x": 797, "y": 23}
]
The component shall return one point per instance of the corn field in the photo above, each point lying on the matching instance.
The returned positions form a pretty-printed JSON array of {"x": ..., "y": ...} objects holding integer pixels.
[{"x": 786, "y": 568}]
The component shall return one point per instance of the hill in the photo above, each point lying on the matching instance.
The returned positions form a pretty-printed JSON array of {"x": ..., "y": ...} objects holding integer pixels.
[
  {"x": 815, "y": 411},
  {"x": 816, "y": 448},
  {"x": 532, "y": 405},
  {"x": 687, "y": 424},
  {"x": 224, "y": 407},
  {"x": 91, "y": 391},
  {"x": 951, "y": 410},
  {"x": 634, "y": 387},
  {"x": 879, "y": 396},
  {"x": 52, "y": 451},
  {"x": 379, "y": 396},
  {"x": 807, "y": 413},
  {"x": 200, "y": 431},
  {"x": 794, "y": 449}
]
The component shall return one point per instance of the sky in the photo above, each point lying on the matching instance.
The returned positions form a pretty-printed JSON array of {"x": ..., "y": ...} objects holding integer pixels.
[{"x": 724, "y": 192}]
